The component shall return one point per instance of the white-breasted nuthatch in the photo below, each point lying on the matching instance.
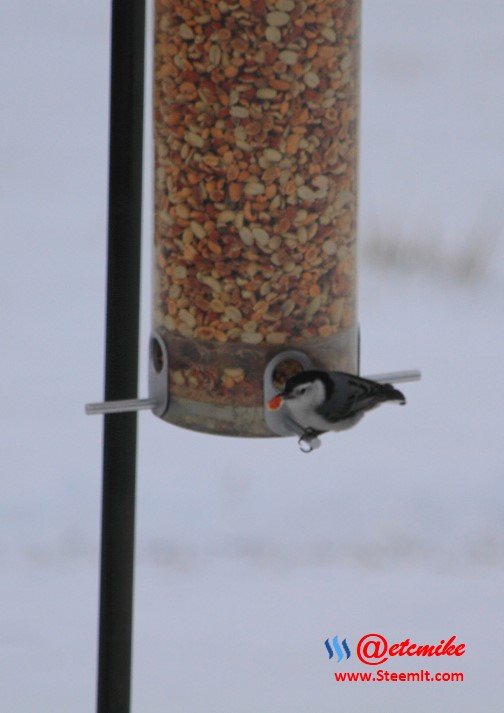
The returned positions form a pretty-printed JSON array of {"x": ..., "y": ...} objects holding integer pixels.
[{"x": 320, "y": 401}]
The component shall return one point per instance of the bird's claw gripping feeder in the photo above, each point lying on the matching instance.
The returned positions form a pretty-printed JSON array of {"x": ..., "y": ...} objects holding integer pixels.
[
  {"x": 255, "y": 127},
  {"x": 254, "y": 274}
]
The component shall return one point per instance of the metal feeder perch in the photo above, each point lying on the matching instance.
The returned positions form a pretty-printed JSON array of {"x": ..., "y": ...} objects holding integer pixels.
[{"x": 254, "y": 275}]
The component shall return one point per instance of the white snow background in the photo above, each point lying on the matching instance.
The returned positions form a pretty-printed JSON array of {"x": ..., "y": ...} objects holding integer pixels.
[{"x": 249, "y": 553}]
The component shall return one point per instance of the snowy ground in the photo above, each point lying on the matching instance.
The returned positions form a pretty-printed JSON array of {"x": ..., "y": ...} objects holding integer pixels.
[{"x": 250, "y": 554}]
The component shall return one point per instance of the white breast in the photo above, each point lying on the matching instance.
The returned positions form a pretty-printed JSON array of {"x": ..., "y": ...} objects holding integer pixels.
[{"x": 305, "y": 416}]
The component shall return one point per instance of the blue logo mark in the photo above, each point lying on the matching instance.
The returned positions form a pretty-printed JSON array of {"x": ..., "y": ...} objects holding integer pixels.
[{"x": 337, "y": 648}]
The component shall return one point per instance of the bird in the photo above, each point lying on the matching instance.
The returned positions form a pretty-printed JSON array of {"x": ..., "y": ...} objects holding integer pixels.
[{"x": 318, "y": 401}]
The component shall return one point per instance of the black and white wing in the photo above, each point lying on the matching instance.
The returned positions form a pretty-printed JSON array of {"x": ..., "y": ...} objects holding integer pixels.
[{"x": 353, "y": 395}]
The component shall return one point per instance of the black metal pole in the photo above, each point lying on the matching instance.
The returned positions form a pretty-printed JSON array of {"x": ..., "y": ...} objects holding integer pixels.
[{"x": 121, "y": 359}]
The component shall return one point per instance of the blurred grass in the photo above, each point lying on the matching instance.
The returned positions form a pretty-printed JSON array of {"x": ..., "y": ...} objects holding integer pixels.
[{"x": 465, "y": 260}]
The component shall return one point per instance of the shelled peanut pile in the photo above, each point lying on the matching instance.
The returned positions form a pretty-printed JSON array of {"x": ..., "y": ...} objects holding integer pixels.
[{"x": 256, "y": 104}]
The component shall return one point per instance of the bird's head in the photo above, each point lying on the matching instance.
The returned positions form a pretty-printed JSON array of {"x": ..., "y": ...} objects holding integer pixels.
[{"x": 306, "y": 390}]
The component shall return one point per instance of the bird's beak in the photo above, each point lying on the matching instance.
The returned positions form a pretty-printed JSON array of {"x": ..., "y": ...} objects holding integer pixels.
[{"x": 275, "y": 403}]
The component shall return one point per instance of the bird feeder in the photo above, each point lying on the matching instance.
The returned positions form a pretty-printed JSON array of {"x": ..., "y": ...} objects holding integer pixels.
[{"x": 255, "y": 128}]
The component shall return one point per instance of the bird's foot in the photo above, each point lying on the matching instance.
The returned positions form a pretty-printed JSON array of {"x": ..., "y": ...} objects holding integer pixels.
[{"x": 309, "y": 441}]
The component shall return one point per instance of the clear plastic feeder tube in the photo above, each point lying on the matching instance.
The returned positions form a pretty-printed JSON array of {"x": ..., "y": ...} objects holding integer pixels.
[{"x": 256, "y": 108}]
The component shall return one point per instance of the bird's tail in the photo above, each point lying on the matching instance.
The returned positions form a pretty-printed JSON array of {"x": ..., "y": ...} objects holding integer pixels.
[{"x": 392, "y": 394}]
